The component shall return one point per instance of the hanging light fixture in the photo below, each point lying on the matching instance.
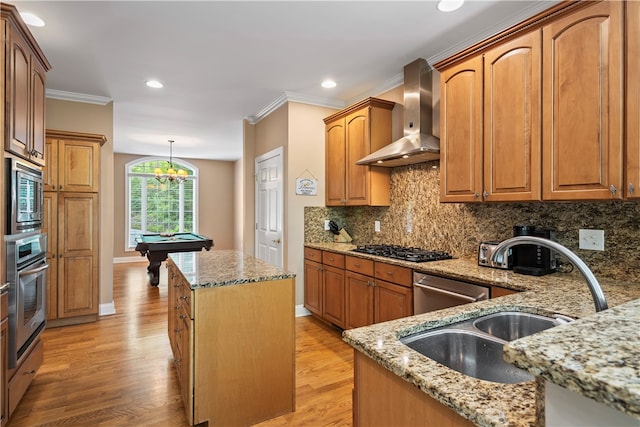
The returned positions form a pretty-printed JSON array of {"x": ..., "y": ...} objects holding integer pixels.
[{"x": 171, "y": 175}]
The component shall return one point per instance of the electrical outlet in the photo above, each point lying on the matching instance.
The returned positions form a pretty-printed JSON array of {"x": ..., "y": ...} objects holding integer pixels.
[
  {"x": 326, "y": 224},
  {"x": 592, "y": 240},
  {"x": 376, "y": 226}
]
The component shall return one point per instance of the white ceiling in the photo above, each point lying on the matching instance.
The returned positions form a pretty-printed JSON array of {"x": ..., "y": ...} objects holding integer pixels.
[{"x": 223, "y": 61}]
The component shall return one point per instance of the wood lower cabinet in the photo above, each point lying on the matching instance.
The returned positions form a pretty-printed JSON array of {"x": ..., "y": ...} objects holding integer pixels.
[
  {"x": 381, "y": 399},
  {"x": 324, "y": 285},
  {"x": 497, "y": 291},
  {"x": 372, "y": 299},
  {"x": 4, "y": 356},
  {"x": 71, "y": 221},
  {"x": 350, "y": 135},
  {"x": 234, "y": 367}
]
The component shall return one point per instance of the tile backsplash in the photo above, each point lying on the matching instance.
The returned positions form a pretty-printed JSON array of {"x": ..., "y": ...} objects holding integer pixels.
[{"x": 417, "y": 218}]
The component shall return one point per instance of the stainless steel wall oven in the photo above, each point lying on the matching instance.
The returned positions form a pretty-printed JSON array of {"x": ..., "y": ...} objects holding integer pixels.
[
  {"x": 27, "y": 277},
  {"x": 24, "y": 196}
]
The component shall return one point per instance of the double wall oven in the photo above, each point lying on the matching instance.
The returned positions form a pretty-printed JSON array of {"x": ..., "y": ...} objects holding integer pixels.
[{"x": 26, "y": 263}]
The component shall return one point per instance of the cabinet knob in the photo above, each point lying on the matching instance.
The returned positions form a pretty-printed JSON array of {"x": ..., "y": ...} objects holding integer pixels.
[
  {"x": 183, "y": 316},
  {"x": 176, "y": 330},
  {"x": 485, "y": 195},
  {"x": 632, "y": 189},
  {"x": 476, "y": 195},
  {"x": 613, "y": 190},
  {"x": 177, "y": 307}
]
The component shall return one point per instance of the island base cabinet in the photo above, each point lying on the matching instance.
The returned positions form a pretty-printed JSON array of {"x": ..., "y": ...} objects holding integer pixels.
[{"x": 381, "y": 398}]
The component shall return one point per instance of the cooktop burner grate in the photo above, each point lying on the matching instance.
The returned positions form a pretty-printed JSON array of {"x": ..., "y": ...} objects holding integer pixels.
[{"x": 403, "y": 253}]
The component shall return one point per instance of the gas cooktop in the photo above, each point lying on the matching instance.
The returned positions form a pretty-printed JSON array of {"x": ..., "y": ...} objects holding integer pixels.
[{"x": 403, "y": 253}]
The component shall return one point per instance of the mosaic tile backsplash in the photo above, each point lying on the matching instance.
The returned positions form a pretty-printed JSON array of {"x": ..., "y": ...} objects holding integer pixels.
[{"x": 417, "y": 218}]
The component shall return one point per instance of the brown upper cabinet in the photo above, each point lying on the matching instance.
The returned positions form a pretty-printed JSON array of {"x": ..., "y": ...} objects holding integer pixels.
[
  {"x": 536, "y": 112},
  {"x": 24, "y": 74},
  {"x": 73, "y": 161},
  {"x": 632, "y": 187},
  {"x": 481, "y": 158},
  {"x": 350, "y": 135},
  {"x": 583, "y": 99}
]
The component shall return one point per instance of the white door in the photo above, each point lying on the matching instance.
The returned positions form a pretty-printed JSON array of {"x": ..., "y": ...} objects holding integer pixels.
[{"x": 269, "y": 206}]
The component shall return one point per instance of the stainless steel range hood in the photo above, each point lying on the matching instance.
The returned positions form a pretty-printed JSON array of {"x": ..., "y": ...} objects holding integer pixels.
[{"x": 418, "y": 144}]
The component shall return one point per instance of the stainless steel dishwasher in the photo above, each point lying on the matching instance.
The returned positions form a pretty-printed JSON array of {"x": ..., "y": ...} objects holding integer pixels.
[{"x": 431, "y": 293}]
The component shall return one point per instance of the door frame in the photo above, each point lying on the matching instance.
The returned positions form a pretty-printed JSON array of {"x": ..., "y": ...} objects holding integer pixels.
[{"x": 279, "y": 153}]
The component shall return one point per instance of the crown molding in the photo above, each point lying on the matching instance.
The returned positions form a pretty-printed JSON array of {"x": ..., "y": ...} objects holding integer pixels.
[
  {"x": 77, "y": 97},
  {"x": 521, "y": 16},
  {"x": 392, "y": 83},
  {"x": 287, "y": 96}
]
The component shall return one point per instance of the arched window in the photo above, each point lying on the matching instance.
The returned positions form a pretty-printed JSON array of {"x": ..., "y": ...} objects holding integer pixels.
[{"x": 159, "y": 207}]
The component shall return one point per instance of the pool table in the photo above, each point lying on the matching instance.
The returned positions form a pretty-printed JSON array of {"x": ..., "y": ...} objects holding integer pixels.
[{"x": 156, "y": 247}]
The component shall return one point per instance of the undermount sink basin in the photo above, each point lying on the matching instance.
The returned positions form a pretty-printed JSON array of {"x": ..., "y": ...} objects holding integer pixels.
[
  {"x": 474, "y": 347},
  {"x": 510, "y": 326},
  {"x": 469, "y": 353}
]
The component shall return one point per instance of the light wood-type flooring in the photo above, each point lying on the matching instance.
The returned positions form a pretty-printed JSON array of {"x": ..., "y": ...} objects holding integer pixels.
[{"x": 119, "y": 371}]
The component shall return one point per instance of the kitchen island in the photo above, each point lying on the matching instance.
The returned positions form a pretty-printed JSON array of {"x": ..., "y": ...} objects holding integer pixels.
[{"x": 232, "y": 333}]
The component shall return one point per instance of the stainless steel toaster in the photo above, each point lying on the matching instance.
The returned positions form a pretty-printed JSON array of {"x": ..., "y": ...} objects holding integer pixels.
[{"x": 485, "y": 253}]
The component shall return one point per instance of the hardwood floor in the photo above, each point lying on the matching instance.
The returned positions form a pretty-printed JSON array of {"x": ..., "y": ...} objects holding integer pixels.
[{"x": 119, "y": 371}]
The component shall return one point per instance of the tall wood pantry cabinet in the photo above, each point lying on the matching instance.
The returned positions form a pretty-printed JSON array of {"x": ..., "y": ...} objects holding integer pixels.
[
  {"x": 24, "y": 69},
  {"x": 71, "y": 209},
  {"x": 350, "y": 135}
]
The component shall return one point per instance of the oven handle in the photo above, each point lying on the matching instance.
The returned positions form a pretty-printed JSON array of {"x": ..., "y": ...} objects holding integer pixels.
[
  {"x": 33, "y": 270},
  {"x": 453, "y": 294}
]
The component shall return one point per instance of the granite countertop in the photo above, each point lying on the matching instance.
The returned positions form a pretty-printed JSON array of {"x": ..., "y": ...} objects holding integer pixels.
[
  {"x": 601, "y": 359},
  {"x": 208, "y": 269}
]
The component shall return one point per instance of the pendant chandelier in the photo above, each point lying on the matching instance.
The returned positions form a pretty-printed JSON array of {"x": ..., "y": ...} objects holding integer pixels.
[{"x": 171, "y": 175}]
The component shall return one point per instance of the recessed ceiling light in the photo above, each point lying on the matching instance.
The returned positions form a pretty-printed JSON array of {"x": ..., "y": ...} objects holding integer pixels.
[
  {"x": 154, "y": 84},
  {"x": 328, "y": 84},
  {"x": 449, "y": 5},
  {"x": 31, "y": 19}
]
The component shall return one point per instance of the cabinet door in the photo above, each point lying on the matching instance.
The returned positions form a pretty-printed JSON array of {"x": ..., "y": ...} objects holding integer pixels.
[
  {"x": 50, "y": 170},
  {"x": 18, "y": 96},
  {"x": 38, "y": 76},
  {"x": 357, "y": 143},
  {"x": 359, "y": 300},
  {"x": 333, "y": 296},
  {"x": 313, "y": 287},
  {"x": 512, "y": 141},
  {"x": 335, "y": 163},
  {"x": 49, "y": 226},
  {"x": 186, "y": 377},
  {"x": 78, "y": 166},
  {"x": 4, "y": 352},
  {"x": 77, "y": 254},
  {"x": 461, "y": 132},
  {"x": 172, "y": 307},
  {"x": 632, "y": 186},
  {"x": 583, "y": 96},
  {"x": 392, "y": 301}
]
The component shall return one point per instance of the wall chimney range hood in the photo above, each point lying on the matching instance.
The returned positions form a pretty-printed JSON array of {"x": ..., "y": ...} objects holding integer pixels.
[{"x": 418, "y": 144}]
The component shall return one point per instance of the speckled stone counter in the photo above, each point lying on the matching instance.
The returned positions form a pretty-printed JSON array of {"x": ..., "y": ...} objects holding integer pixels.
[
  {"x": 213, "y": 268},
  {"x": 597, "y": 368},
  {"x": 597, "y": 356}
]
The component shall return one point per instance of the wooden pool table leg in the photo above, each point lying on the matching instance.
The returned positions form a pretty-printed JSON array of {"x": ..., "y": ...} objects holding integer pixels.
[{"x": 154, "y": 272}]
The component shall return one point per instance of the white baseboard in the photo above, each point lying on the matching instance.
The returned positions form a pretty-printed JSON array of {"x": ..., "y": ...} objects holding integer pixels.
[
  {"x": 126, "y": 259},
  {"x": 107, "y": 309},
  {"x": 301, "y": 311}
]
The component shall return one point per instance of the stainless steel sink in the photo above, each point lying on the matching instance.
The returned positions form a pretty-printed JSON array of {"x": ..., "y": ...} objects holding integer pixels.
[
  {"x": 470, "y": 353},
  {"x": 474, "y": 347},
  {"x": 511, "y": 325}
]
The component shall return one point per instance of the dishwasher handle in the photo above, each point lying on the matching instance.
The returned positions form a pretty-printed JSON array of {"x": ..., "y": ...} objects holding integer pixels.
[{"x": 452, "y": 294}]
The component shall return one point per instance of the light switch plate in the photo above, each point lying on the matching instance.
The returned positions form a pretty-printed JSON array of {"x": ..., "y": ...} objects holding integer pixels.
[
  {"x": 326, "y": 224},
  {"x": 592, "y": 240},
  {"x": 376, "y": 226}
]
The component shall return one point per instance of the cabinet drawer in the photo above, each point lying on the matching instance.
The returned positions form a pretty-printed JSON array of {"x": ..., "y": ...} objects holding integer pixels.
[
  {"x": 359, "y": 265},
  {"x": 185, "y": 299},
  {"x": 333, "y": 259},
  {"x": 393, "y": 273},
  {"x": 313, "y": 254},
  {"x": 24, "y": 375}
]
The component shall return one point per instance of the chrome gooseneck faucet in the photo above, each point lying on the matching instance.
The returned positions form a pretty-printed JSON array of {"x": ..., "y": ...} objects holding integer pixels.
[{"x": 596, "y": 291}]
